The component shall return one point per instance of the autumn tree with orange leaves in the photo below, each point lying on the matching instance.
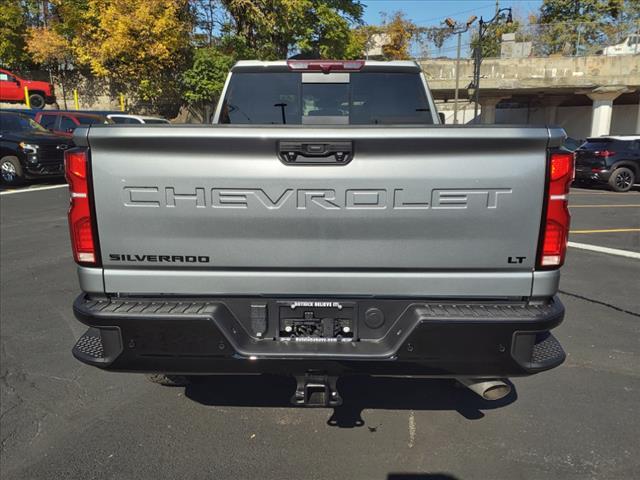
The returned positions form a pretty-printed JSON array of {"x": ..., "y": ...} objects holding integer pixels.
[{"x": 137, "y": 45}]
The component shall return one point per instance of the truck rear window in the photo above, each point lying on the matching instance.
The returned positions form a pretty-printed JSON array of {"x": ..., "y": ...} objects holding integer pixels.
[{"x": 366, "y": 98}]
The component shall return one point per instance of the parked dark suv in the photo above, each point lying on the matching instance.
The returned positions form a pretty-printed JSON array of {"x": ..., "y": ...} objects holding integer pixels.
[
  {"x": 614, "y": 161},
  {"x": 28, "y": 150}
]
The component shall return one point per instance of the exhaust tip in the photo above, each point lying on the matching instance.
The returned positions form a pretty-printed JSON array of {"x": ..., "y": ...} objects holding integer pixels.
[
  {"x": 496, "y": 392},
  {"x": 487, "y": 389}
]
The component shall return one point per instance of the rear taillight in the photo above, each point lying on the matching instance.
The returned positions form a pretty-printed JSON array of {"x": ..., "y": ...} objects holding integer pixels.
[
  {"x": 604, "y": 153},
  {"x": 83, "y": 238},
  {"x": 555, "y": 228}
]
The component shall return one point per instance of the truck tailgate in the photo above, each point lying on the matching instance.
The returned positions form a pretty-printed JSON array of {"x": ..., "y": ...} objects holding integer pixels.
[{"x": 432, "y": 211}]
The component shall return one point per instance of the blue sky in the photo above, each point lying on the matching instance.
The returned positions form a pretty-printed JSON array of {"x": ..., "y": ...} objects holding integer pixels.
[{"x": 432, "y": 12}]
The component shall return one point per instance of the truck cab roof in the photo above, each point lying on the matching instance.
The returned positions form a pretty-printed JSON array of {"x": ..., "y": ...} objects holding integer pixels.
[{"x": 287, "y": 65}]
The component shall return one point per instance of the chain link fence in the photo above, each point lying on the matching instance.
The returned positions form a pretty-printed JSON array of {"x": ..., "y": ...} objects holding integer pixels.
[
  {"x": 579, "y": 39},
  {"x": 544, "y": 40}
]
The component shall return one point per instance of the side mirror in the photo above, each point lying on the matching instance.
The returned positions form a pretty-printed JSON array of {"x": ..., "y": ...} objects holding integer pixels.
[{"x": 442, "y": 118}]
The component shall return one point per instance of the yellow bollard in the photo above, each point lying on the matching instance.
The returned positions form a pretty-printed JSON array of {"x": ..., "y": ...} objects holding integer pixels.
[
  {"x": 75, "y": 99},
  {"x": 122, "y": 102},
  {"x": 26, "y": 97}
]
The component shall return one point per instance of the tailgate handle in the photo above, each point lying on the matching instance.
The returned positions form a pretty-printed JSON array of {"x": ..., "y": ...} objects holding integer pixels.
[{"x": 315, "y": 153}]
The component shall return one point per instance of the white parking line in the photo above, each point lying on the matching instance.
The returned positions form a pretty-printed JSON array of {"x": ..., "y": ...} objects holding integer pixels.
[
  {"x": 610, "y": 251},
  {"x": 583, "y": 191},
  {"x": 33, "y": 189}
]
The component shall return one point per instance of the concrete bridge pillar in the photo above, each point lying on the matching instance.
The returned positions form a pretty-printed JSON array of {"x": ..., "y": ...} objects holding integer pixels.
[
  {"x": 551, "y": 105},
  {"x": 488, "y": 109},
  {"x": 602, "y": 109}
]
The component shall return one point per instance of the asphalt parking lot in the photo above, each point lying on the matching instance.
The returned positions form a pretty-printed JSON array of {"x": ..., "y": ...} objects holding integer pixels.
[{"x": 64, "y": 420}]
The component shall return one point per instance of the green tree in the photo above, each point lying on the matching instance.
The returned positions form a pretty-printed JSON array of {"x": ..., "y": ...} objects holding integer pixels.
[
  {"x": 204, "y": 80},
  {"x": 398, "y": 36},
  {"x": 327, "y": 34},
  {"x": 399, "y": 32},
  {"x": 139, "y": 45},
  {"x": 493, "y": 37},
  {"x": 50, "y": 36},
  {"x": 573, "y": 27},
  {"x": 360, "y": 41},
  {"x": 53, "y": 51},
  {"x": 274, "y": 28},
  {"x": 12, "y": 28}
]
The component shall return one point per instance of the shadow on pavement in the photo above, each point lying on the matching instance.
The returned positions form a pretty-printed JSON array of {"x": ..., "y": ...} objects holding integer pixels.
[
  {"x": 602, "y": 187},
  {"x": 358, "y": 392},
  {"x": 36, "y": 182}
]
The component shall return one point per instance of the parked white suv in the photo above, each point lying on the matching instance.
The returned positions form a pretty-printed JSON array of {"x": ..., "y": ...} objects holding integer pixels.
[
  {"x": 124, "y": 118},
  {"x": 630, "y": 46}
]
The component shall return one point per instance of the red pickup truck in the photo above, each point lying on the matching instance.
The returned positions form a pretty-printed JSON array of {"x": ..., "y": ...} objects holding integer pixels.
[
  {"x": 63, "y": 123},
  {"x": 12, "y": 90}
]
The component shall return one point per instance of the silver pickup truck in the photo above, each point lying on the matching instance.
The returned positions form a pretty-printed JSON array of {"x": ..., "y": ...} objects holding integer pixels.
[{"x": 328, "y": 224}]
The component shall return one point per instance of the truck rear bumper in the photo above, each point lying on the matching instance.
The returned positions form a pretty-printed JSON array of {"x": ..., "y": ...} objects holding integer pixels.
[
  {"x": 422, "y": 338},
  {"x": 44, "y": 170},
  {"x": 587, "y": 175}
]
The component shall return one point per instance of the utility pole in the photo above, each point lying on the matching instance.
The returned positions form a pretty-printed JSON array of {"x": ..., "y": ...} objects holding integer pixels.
[
  {"x": 459, "y": 30},
  {"x": 455, "y": 105},
  {"x": 482, "y": 30}
]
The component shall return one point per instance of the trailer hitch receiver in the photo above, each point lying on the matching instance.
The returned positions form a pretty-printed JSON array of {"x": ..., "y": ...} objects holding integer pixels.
[{"x": 316, "y": 390}]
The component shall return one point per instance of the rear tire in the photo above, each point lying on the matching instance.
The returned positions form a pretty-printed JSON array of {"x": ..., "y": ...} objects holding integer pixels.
[
  {"x": 622, "y": 179},
  {"x": 169, "y": 380},
  {"x": 11, "y": 171},
  {"x": 36, "y": 100}
]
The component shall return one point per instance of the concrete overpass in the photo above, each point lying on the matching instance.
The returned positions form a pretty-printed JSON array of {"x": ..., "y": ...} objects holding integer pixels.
[{"x": 545, "y": 84}]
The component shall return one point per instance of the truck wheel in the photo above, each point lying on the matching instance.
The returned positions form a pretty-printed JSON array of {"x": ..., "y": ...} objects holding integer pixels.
[
  {"x": 169, "y": 380},
  {"x": 11, "y": 171},
  {"x": 622, "y": 179},
  {"x": 37, "y": 101}
]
